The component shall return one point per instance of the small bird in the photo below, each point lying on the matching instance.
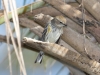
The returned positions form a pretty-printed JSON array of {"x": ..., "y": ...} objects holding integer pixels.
[{"x": 52, "y": 32}]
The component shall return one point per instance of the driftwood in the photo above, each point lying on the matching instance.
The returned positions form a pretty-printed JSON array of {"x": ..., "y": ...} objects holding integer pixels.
[
  {"x": 75, "y": 40},
  {"x": 65, "y": 55},
  {"x": 91, "y": 25},
  {"x": 92, "y": 6}
]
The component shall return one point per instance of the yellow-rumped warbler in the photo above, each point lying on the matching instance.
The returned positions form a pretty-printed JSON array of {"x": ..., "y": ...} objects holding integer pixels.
[{"x": 52, "y": 33}]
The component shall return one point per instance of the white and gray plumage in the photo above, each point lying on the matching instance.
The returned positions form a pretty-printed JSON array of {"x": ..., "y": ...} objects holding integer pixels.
[{"x": 52, "y": 33}]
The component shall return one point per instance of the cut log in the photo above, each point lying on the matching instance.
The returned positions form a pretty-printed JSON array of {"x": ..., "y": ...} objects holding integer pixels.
[
  {"x": 76, "y": 40},
  {"x": 91, "y": 25},
  {"x": 65, "y": 55}
]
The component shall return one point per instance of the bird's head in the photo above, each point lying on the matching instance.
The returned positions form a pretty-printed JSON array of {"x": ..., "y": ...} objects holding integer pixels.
[{"x": 59, "y": 21}]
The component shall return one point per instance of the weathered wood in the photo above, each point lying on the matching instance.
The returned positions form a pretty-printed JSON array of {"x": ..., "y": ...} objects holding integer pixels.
[
  {"x": 92, "y": 6},
  {"x": 75, "y": 40},
  {"x": 76, "y": 15},
  {"x": 61, "y": 53}
]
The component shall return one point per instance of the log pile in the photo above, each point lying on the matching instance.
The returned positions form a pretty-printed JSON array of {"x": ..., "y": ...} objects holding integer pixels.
[{"x": 82, "y": 50}]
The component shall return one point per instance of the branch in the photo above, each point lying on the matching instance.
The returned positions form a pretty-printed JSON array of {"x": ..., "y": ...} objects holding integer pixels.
[
  {"x": 53, "y": 12},
  {"x": 3, "y": 39},
  {"x": 65, "y": 55},
  {"x": 91, "y": 25},
  {"x": 75, "y": 40}
]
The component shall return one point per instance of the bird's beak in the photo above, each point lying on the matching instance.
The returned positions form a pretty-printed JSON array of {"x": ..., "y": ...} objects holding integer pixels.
[{"x": 65, "y": 25}]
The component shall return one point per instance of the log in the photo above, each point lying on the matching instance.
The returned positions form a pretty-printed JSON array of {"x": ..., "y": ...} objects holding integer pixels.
[
  {"x": 61, "y": 53},
  {"x": 91, "y": 25},
  {"x": 92, "y": 6},
  {"x": 75, "y": 40}
]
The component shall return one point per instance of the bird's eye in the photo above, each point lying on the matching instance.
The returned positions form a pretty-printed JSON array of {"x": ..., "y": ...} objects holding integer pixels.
[{"x": 60, "y": 22}]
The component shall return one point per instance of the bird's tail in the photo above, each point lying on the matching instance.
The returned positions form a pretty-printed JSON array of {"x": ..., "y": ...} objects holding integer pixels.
[{"x": 39, "y": 57}]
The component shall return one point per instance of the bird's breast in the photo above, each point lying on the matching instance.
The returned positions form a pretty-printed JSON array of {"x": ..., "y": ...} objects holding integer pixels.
[{"x": 54, "y": 35}]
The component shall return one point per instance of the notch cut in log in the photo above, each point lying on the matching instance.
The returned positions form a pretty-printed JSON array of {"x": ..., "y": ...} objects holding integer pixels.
[{"x": 91, "y": 25}]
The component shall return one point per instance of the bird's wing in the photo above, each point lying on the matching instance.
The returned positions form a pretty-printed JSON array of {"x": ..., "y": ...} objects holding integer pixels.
[{"x": 44, "y": 33}]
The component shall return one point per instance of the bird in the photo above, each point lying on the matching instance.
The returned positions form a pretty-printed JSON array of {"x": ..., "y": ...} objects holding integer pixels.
[{"x": 52, "y": 32}]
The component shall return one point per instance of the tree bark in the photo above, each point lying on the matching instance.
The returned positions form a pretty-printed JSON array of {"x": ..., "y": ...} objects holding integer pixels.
[{"x": 91, "y": 25}]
